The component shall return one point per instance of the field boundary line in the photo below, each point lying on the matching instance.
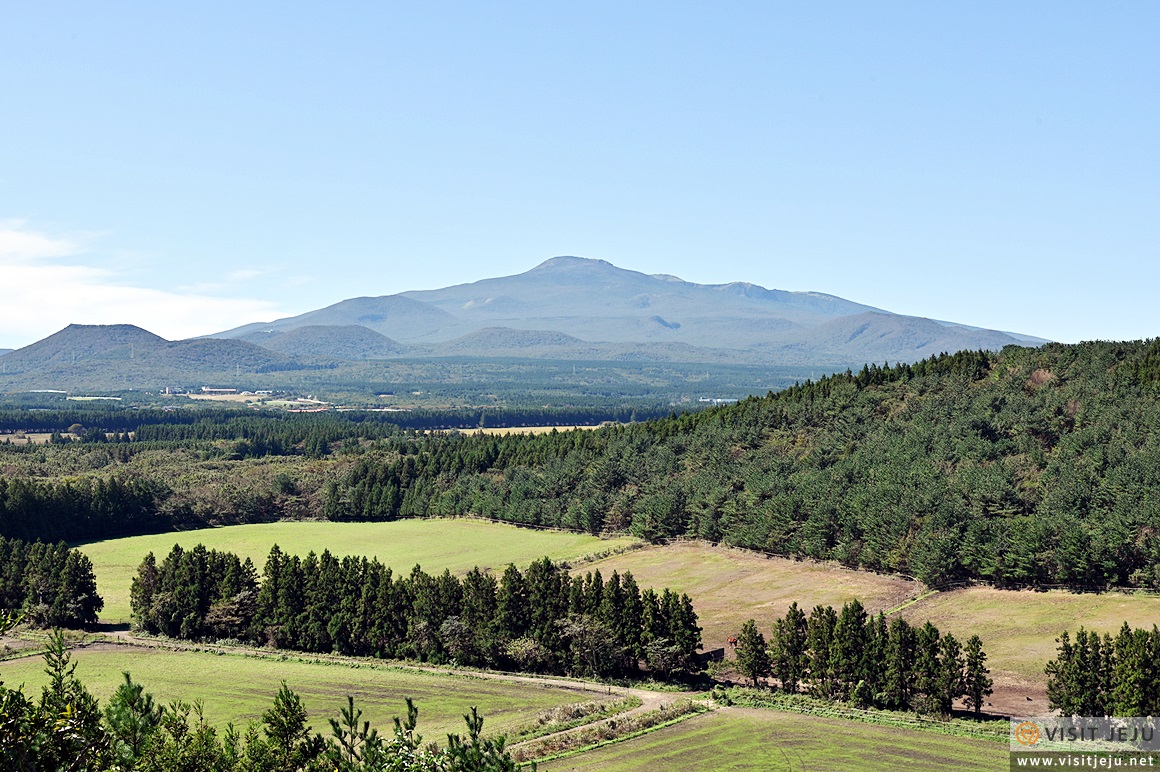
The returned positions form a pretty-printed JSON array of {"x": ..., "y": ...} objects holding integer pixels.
[{"x": 704, "y": 709}]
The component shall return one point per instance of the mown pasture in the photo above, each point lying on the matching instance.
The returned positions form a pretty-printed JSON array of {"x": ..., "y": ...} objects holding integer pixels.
[
  {"x": 729, "y": 586},
  {"x": 436, "y": 545},
  {"x": 238, "y": 688},
  {"x": 750, "y": 739},
  {"x": 1019, "y": 630}
]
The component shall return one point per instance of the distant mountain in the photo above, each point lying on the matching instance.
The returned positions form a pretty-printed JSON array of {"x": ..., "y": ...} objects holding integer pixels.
[
  {"x": 574, "y": 308},
  {"x": 317, "y": 341},
  {"x": 565, "y": 309},
  {"x": 124, "y": 356},
  {"x": 4, "y": 351}
]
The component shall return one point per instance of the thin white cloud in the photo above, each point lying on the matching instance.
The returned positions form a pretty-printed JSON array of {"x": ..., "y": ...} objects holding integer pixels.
[
  {"x": 19, "y": 245},
  {"x": 48, "y": 282}
]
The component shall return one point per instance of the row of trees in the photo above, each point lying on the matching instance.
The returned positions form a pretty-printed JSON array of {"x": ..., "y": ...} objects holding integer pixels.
[
  {"x": 68, "y": 729},
  {"x": 541, "y": 619},
  {"x": 849, "y": 655},
  {"x": 48, "y": 584},
  {"x": 1108, "y": 676}
]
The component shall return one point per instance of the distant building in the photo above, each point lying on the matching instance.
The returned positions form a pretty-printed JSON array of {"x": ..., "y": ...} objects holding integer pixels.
[{"x": 208, "y": 390}]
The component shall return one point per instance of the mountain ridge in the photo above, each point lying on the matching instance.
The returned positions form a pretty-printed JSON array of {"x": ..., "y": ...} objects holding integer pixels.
[{"x": 565, "y": 308}]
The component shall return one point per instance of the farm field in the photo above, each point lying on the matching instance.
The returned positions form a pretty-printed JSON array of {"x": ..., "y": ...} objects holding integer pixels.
[
  {"x": 730, "y": 586},
  {"x": 751, "y": 739},
  {"x": 436, "y": 545},
  {"x": 238, "y": 688},
  {"x": 1019, "y": 629}
]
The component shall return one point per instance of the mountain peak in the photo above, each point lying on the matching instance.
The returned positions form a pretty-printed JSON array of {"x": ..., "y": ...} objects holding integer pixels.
[{"x": 571, "y": 261}]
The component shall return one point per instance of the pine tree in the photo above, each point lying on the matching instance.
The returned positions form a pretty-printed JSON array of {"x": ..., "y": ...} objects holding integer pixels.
[
  {"x": 788, "y": 649},
  {"x": 820, "y": 633},
  {"x": 752, "y": 655},
  {"x": 977, "y": 682},
  {"x": 949, "y": 682}
]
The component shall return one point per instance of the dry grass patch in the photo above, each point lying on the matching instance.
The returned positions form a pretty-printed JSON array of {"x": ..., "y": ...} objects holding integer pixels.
[
  {"x": 1019, "y": 629},
  {"x": 729, "y": 586}
]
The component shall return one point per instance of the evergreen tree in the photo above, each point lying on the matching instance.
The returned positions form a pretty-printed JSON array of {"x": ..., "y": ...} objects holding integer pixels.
[
  {"x": 977, "y": 682},
  {"x": 752, "y": 656},
  {"x": 788, "y": 649}
]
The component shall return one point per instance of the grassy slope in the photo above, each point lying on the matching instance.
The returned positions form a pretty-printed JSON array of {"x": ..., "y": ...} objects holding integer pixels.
[
  {"x": 730, "y": 586},
  {"x": 1019, "y": 628},
  {"x": 236, "y": 688},
  {"x": 743, "y": 738},
  {"x": 435, "y": 544}
]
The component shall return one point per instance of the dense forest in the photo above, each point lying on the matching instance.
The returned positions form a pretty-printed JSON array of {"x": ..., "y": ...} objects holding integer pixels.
[
  {"x": 1024, "y": 467},
  {"x": 49, "y": 585},
  {"x": 849, "y": 656},
  {"x": 1109, "y": 676},
  {"x": 538, "y": 620}
]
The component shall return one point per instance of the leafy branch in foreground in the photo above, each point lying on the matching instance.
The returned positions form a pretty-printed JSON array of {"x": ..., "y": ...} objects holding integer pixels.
[{"x": 67, "y": 730}]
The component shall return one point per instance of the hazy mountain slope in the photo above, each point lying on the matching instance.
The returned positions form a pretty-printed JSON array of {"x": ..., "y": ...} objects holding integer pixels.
[
  {"x": 878, "y": 337},
  {"x": 595, "y": 301},
  {"x": 605, "y": 312},
  {"x": 393, "y": 316},
  {"x": 316, "y": 341},
  {"x": 4, "y": 351},
  {"x": 545, "y": 344}
]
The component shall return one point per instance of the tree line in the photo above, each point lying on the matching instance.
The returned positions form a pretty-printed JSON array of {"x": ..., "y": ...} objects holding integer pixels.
[
  {"x": 851, "y": 656},
  {"x": 67, "y": 728},
  {"x": 86, "y": 508},
  {"x": 48, "y": 584},
  {"x": 539, "y": 620},
  {"x": 1106, "y": 676}
]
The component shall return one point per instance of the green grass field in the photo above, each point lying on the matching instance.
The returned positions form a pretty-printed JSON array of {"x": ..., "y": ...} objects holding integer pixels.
[
  {"x": 236, "y": 688},
  {"x": 730, "y": 586},
  {"x": 752, "y": 739},
  {"x": 435, "y": 544}
]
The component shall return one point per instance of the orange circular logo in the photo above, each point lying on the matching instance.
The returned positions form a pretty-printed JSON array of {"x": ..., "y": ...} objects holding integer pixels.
[{"x": 1027, "y": 733}]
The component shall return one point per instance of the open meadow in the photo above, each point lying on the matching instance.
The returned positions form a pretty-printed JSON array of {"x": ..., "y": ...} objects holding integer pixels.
[
  {"x": 754, "y": 739},
  {"x": 729, "y": 586},
  {"x": 238, "y": 688},
  {"x": 458, "y": 545},
  {"x": 1019, "y": 629}
]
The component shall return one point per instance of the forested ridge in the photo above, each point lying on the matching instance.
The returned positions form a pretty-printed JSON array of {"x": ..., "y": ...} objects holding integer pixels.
[
  {"x": 1032, "y": 466},
  {"x": 1024, "y": 467}
]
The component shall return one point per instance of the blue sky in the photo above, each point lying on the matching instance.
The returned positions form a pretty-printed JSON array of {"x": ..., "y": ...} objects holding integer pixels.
[{"x": 191, "y": 167}]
